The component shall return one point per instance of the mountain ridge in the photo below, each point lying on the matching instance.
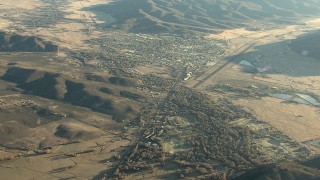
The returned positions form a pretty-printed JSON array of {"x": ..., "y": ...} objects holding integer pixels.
[{"x": 158, "y": 16}]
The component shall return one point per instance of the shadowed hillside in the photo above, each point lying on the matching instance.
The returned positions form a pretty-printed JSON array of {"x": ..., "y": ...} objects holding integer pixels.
[
  {"x": 17, "y": 43},
  {"x": 308, "y": 45},
  {"x": 285, "y": 171},
  {"x": 89, "y": 94},
  {"x": 313, "y": 163},
  {"x": 154, "y": 16}
]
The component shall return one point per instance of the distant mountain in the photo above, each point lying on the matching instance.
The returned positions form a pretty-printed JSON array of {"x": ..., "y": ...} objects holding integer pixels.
[{"x": 154, "y": 16}]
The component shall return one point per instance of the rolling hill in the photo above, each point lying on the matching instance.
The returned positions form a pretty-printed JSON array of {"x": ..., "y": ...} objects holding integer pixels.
[
  {"x": 154, "y": 16},
  {"x": 284, "y": 171},
  {"x": 17, "y": 43}
]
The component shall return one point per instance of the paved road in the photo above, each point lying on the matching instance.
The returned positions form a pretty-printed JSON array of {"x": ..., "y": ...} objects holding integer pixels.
[{"x": 233, "y": 59}]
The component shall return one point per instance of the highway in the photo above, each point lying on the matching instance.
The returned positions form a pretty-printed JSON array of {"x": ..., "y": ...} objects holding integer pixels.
[{"x": 232, "y": 58}]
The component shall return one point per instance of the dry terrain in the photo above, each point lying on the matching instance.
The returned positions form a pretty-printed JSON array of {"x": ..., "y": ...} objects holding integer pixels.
[{"x": 184, "y": 89}]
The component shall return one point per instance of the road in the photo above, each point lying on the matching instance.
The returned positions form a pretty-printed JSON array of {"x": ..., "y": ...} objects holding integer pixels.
[{"x": 233, "y": 58}]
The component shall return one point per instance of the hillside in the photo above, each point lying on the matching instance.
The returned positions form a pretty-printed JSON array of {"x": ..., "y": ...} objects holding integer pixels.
[
  {"x": 308, "y": 45},
  {"x": 284, "y": 171},
  {"x": 16, "y": 43},
  {"x": 154, "y": 16}
]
